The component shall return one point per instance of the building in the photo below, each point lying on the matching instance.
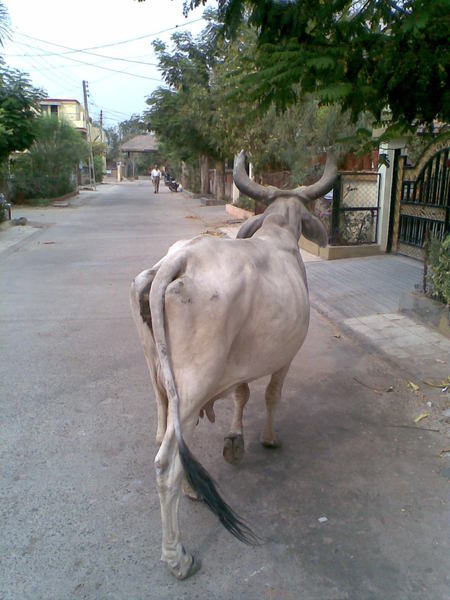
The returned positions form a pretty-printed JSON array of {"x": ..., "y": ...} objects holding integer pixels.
[
  {"x": 68, "y": 109},
  {"x": 145, "y": 145}
]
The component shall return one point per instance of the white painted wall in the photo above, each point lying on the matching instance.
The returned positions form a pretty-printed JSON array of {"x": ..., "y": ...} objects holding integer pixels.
[{"x": 386, "y": 175}]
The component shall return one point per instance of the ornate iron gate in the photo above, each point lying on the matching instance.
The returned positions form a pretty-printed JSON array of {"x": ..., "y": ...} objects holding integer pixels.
[{"x": 423, "y": 200}]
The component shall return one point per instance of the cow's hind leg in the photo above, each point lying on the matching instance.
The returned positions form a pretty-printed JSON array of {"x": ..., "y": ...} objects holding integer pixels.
[
  {"x": 162, "y": 407},
  {"x": 233, "y": 448},
  {"x": 140, "y": 290},
  {"x": 273, "y": 395},
  {"x": 169, "y": 476}
]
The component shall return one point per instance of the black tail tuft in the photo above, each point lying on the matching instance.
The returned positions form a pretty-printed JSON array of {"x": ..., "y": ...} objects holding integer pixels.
[{"x": 202, "y": 483}]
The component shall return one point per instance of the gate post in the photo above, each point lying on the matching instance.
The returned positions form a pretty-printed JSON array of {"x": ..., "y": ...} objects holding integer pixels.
[
  {"x": 335, "y": 214},
  {"x": 397, "y": 203}
]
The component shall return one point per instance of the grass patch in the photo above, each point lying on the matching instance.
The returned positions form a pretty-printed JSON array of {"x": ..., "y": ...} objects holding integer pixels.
[{"x": 34, "y": 201}]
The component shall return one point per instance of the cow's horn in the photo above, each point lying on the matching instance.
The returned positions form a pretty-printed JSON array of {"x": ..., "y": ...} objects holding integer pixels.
[
  {"x": 270, "y": 193},
  {"x": 246, "y": 185},
  {"x": 321, "y": 187}
]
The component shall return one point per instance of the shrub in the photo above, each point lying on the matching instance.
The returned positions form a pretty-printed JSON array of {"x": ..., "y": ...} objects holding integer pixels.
[
  {"x": 98, "y": 169},
  {"x": 48, "y": 169},
  {"x": 439, "y": 261},
  {"x": 246, "y": 203}
]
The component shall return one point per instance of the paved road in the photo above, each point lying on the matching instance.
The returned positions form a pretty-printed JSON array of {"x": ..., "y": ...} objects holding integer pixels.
[{"x": 80, "y": 512}]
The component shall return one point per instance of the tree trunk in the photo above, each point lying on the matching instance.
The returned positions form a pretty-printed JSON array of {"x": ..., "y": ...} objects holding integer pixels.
[
  {"x": 220, "y": 181},
  {"x": 204, "y": 174},
  {"x": 184, "y": 176}
]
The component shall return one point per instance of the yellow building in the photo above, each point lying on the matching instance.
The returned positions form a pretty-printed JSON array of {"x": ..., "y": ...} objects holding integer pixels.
[{"x": 68, "y": 109}]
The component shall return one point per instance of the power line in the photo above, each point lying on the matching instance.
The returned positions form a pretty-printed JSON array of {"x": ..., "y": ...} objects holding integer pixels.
[
  {"x": 111, "y": 110},
  {"x": 42, "y": 66},
  {"x": 103, "y": 107},
  {"x": 72, "y": 51},
  {"x": 141, "y": 37},
  {"x": 83, "y": 62}
]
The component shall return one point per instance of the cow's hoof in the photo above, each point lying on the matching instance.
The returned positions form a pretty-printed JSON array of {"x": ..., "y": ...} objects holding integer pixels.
[
  {"x": 187, "y": 566},
  {"x": 270, "y": 443},
  {"x": 233, "y": 448}
]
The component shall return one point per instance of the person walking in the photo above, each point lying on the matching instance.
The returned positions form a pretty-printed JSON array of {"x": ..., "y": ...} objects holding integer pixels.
[{"x": 156, "y": 178}]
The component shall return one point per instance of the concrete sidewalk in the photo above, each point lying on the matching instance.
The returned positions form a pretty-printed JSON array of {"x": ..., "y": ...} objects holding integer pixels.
[{"x": 364, "y": 295}]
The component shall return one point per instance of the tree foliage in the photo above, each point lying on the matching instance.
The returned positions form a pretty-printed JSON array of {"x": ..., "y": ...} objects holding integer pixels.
[
  {"x": 112, "y": 143},
  {"x": 203, "y": 111},
  {"x": 368, "y": 55},
  {"x": 182, "y": 113},
  {"x": 18, "y": 101},
  {"x": 131, "y": 127}
]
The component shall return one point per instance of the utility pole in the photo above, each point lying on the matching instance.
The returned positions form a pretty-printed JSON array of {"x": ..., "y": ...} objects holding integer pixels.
[{"x": 89, "y": 136}]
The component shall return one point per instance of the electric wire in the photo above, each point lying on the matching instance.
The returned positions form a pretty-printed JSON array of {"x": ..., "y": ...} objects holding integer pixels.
[
  {"x": 85, "y": 50},
  {"x": 42, "y": 66},
  {"x": 72, "y": 51},
  {"x": 70, "y": 83},
  {"x": 96, "y": 66}
]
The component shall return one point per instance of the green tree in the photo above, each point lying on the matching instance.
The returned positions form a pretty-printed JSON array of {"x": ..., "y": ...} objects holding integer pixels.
[
  {"x": 48, "y": 169},
  {"x": 366, "y": 56},
  {"x": 18, "y": 101},
  {"x": 182, "y": 114},
  {"x": 112, "y": 143},
  {"x": 18, "y": 104},
  {"x": 203, "y": 111},
  {"x": 275, "y": 140},
  {"x": 98, "y": 168},
  {"x": 131, "y": 127}
]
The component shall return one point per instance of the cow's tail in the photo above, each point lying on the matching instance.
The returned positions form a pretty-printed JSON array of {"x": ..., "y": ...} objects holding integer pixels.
[{"x": 197, "y": 476}]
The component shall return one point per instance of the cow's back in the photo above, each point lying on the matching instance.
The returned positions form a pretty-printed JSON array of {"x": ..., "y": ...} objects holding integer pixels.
[{"x": 238, "y": 311}]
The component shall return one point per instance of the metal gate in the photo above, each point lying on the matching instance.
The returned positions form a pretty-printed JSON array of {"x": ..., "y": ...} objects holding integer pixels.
[
  {"x": 423, "y": 200},
  {"x": 355, "y": 208}
]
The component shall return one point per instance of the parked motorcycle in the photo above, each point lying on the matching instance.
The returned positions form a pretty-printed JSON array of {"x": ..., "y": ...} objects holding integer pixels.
[{"x": 172, "y": 184}]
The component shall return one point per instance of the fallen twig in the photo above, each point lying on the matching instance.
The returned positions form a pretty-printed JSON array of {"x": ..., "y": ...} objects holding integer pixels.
[
  {"x": 422, "y": 416},
  {"x": 369, "y": 387},
  {"x": 416, "y": 428},
  {"x": 439, "y": 385}
]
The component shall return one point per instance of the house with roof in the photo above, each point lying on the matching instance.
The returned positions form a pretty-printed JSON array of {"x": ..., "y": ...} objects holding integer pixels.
[
  {"x": 66, "y": 108},
  {"x": 141, "y": 150}
]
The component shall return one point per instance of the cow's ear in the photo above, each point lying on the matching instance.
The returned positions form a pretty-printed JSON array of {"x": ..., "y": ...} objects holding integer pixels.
[
  {"x": 313, "y": 229},
  {"x": 250, "y": 226}
]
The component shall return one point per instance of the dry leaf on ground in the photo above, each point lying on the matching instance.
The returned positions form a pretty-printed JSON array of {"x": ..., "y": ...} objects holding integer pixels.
[{"x": 422, "y": 416}]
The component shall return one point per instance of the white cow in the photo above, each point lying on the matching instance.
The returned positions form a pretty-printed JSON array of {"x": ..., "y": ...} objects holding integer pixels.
[{"x": 213, "y": 315}]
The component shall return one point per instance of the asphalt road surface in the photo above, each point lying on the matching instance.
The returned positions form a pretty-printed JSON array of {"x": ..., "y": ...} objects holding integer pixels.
[{"x": 352, "y": 506}]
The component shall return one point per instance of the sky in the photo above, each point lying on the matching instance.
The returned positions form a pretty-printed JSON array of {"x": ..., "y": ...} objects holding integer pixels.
[{"x": 45, "y": 33}]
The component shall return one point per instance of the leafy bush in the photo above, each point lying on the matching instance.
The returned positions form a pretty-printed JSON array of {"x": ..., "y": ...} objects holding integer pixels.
[
  {"x": 48, "y": 169},
  {"x": 246, "y": 203},
  {"x": 98, "y": 169},
  {"x": 439, "y": 261}
]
